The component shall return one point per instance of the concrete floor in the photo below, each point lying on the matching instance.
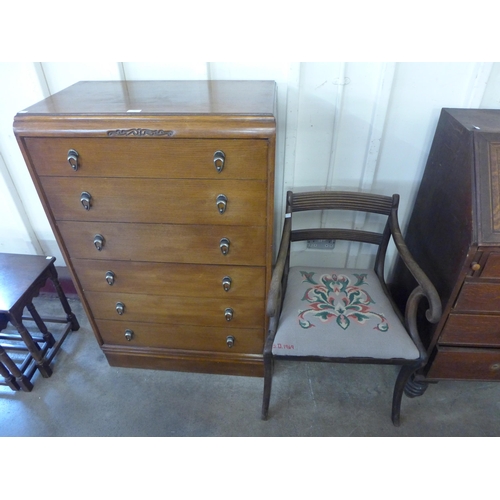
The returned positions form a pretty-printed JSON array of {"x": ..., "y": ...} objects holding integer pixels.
[{"x": 87, "y": 397}]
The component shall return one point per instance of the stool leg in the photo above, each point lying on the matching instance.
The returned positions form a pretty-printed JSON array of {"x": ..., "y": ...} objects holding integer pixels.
[
  {"x": 21, "y": 381},
  {"x": 62, "y": 297},
  {"x": 47, "y": 336},
  {"x": 42, "y": 364}
]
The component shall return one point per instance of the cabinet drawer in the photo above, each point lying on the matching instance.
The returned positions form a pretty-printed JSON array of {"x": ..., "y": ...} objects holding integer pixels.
[
  {"x": 492, "y": 267},
  {"x": 473, "y": 330},
  {"x": 147, "y": 157},
  {"x": 466, "y": 364},
  {"x": 170, "y": 279},
  {"x": 247, "y": 313},
  {"x": 481, "y": 297},
  {"x": 198, "y": 338},
  {"x": 165, "y": 243},
  {"x": 157, "y": 200}
]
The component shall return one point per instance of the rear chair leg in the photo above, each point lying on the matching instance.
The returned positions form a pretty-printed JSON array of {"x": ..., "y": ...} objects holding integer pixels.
[{"x": 268, "y": 378}]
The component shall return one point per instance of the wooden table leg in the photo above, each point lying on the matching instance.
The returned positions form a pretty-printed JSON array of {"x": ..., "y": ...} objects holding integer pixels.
[
  {"x": 20, "y": 381},
  {"x": 42, "y": 364},
  {"x": 47, "y": 336},
  {"x": 62, "y": 297}
]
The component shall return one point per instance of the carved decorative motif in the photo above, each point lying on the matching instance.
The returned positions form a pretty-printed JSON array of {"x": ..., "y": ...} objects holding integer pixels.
[{"x": 140, "y": 132}]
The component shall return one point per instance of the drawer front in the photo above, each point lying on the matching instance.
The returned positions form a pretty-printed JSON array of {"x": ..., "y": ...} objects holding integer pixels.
[
  {"x": 480, "y": 297},
  {"x": 153, "y": 158},
  {"x": 466, "y": 364},
  {"x": 170, "y": 279},
  {"x": 492, "y": 266},
  {"x": 165, "y": 243},
  {"x": 198, "y": 338},
  {"x": 247, "y": 313},
  {"x": 157, "y": 200},
  {"x": 473, "y": 330}
]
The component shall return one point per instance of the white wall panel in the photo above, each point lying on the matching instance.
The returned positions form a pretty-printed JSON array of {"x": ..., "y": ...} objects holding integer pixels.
[
  {"x": 14, "y": 235},
  {"x": 362, "y": 126},
  {"x": 165, "y": 71},
  {"x": 60, "y": 75},
  {"x": 22, "y": 84}
]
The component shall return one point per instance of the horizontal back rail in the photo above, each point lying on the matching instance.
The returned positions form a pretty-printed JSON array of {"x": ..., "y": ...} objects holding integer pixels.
[
  {"x": 336, "y": 234},
  {"x": 342, "y": 200}
]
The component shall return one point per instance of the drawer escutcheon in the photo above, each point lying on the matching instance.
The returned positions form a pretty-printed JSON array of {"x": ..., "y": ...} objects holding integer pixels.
[
  {"x": 221, "y": 203},
  {"x": 86, "y": 200},
  {"x": 226, "y": 283},
  {"x": 73, "y": 159},
  {"x": 224, "y": 245},
  {"x": 219, "y": 160}
]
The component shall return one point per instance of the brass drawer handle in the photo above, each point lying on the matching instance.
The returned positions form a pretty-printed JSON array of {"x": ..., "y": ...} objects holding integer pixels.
[
  {"x": 110, "y": 277},
  {"x": 226, "y": 283},
  {"x": 230, "y": 341},
  {"x": 228, "y": 313},
  {"x": 99, "y": 241},
  {"x": 85, "y": 200},
  {"x": 475, "y": 266},
  {"x": 224, "y": 246},
  {"x": 221, "y": 203},
  {"x": 219, "y": 160},
  {"x": 129, "y": 334},
  {"x": 120, "y": 308},
  {"x": 73, "y": 159}
]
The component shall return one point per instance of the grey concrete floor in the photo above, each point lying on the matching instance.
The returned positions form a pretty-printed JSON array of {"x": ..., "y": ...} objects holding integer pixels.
[{"x": 87, "y": 397}]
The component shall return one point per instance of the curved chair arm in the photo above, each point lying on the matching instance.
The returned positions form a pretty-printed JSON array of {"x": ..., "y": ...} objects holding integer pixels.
[
  {"x": 277, "y": 277},
  {"x": 411, "y": 319},
  {"x": 425, "y": 288}
]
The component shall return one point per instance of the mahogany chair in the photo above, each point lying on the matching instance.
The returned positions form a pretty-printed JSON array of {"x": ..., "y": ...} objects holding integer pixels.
[
  {"x": 345, "y": 315},
  {"x": 21, "y": 279}
]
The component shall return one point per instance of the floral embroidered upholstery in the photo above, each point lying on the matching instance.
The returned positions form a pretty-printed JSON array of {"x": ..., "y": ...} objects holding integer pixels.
[{"x": 341, "y": 314}]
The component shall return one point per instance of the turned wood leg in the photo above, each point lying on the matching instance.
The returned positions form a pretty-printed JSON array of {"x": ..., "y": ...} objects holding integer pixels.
[
  {"x": 9, "y": 370},
  {"x": 70, "y": 316},
  {"x": 415, "y": 388},
  {"x": 47, "y": 336},
  {"x": 42, "y": 364},
  {"x": 404, "y": 374}
]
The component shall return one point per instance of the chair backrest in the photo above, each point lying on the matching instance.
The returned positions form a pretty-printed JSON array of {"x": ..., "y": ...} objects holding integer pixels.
[{"x": 344, "y": 200}]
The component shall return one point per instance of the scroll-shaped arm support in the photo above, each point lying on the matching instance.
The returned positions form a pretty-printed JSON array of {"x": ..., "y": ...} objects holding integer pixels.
[{"x": 425, "y": 287}]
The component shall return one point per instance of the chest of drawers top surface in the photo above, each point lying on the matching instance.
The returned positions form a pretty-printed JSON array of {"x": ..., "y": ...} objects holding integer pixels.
[{"x": 213, "y": 97}]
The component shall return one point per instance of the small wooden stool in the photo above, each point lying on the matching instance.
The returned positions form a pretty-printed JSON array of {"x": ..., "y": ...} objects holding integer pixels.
[{"x": 21, "y": 278}]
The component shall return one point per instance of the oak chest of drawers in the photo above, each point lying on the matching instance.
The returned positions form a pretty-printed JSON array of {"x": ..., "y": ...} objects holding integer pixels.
[
  {"x": 160, "y": 195},
  {"x": 454, "y": 234}
]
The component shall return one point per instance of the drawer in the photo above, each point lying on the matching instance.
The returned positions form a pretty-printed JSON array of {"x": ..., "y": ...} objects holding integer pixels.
[
  {"x": 187, "y": 244},
  {"x": 474, "y": 330},
  {"x": 170, "y": 279},
  {"x": 477, "y": 296},
  {"x": 466, "y": 364},
  {"x": 198, "y": 338},
  {"x": 247, "y": 313},
  {"x": 153, "y": 158},
  {"x": 172, "y": 201},
  {"x": 492, "y": 267}
]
